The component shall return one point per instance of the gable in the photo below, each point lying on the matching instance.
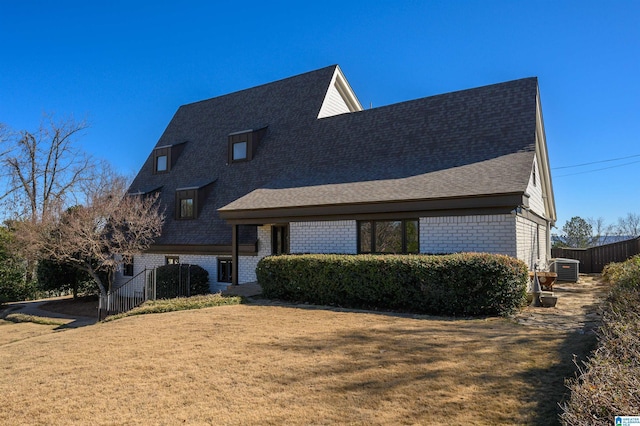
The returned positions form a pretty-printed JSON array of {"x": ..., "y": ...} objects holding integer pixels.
[{"x": 340, "y": 98}]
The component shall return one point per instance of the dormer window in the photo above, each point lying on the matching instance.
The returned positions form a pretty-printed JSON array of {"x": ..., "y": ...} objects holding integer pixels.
[
  {"x": 186, "y": 208},
  {"x": 243, "y": 145},
  {"x": 239, "y": 151},
  {"x": 190, "y": 200},
  {"x": 161, "y": 163},
  {"x": 186, "y": 203},
  {"x": 165, "y": 157}
]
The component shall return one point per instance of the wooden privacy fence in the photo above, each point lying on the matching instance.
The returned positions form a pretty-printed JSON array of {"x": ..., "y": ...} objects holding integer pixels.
[{"x": 594, "y": 259}]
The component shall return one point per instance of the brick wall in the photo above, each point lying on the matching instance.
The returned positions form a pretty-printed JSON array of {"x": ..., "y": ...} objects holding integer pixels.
[
  {"x": 324, "y": 237},
  {"x": 502, "y": 234},
  {"x": 482, "y": 233},
  {"x": 532, "y": 243},
  {"x": 247, "y": 271}
]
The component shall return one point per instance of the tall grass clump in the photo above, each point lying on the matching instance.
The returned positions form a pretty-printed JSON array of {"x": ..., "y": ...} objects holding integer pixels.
[{"x": 609, "y": 381}]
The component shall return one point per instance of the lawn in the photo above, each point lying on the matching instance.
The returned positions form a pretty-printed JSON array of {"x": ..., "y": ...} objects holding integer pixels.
[{"x": 249, "y": 364}]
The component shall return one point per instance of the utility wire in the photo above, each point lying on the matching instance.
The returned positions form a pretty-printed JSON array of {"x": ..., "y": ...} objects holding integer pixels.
[
  {"x": 597, "y": 170},
  {"x": 597, "y": 162}
]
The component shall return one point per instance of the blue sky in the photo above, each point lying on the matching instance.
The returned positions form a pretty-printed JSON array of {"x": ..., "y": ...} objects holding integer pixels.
[{"x": 126, "y": 66}]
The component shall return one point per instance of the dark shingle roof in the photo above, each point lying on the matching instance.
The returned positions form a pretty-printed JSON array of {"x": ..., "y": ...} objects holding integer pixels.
[{"x": 468, "y": 143}]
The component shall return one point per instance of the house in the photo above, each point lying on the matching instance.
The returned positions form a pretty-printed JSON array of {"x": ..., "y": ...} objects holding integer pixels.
[{"x": 298, "y": 166}]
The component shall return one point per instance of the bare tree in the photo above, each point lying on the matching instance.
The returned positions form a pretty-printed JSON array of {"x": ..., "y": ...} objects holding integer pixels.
[
  {"x": 104, "y": 233},
  {"x": 601, "y": 232},
  {"x": 629, "y": 225},
  {"x": 42, "y": 169}
]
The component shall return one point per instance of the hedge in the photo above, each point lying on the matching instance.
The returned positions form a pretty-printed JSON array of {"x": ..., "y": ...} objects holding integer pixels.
[
  {"x": 172, "y": 280},
  {"x": 465, "y": 284},
  {"x": 609, "y": 381}
]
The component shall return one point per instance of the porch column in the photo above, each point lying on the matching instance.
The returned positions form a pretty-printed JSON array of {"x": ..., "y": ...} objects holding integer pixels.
[{"x": 234, "y": 254}]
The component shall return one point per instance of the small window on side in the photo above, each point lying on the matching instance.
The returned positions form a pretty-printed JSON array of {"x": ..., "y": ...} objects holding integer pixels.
[
  {"x": 240, "y": 151},
  {"x": 127, "y": 268},
  {"x": 172, "y": 260}
]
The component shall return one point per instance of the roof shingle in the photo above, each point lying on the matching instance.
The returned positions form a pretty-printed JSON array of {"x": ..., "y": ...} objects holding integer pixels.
[{"x": 469, "y": 143}]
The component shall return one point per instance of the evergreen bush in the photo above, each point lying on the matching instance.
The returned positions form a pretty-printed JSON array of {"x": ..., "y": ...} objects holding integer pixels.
[
  {"x": 465, "y": 284},
  {"x": 181, "y": 280}
]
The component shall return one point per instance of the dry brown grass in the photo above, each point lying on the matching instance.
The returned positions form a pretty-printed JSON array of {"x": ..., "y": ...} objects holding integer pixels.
[
  {"x": 14, "y": 332},
  {"x": 251, "y": 364}
]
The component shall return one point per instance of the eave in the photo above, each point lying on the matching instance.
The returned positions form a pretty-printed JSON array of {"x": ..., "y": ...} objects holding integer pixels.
[{"x": 473, "y": 205}]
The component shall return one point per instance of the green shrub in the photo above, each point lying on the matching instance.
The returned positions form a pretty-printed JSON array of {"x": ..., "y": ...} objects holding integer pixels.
[
  {"x": 63, "y": 278},
  {"x": 609, "y": 382},
  {"x": 623, "y": 274},
  {"x": 181, "y": 280},
  {"x": 459, "y": 284}
]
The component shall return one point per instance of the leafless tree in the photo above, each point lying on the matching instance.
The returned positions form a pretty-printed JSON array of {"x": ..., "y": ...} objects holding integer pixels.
[
  {"x": 629, "y": 225},
  {"x": 600, "y": 231},
  {"x": 105, "y": 232},
  {"x": 41, "y": 170}
]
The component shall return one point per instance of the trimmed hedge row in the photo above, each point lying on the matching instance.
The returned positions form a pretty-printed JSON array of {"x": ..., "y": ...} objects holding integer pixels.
[
  {"x": 465, "y": 284},
  {"x": 609, "y": 383}
]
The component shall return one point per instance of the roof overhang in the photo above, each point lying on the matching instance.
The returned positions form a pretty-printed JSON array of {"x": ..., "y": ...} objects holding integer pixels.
[
  {"x": 543, "y": 158},
  {"x": 487, "y": 204},
  {"x": 211, "y": 249}
]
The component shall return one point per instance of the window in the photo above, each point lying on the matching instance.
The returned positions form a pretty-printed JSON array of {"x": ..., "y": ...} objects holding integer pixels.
[
  {"x": 534, "y": 174},
  {"x": 127, "y": 268},
  {"x": 165, "y": 157},
  {"x": 388, "y": 236},
  {"x": 161, "y": 163},
  {"x": 186, "y": 203},
  {"x": 243, "y": 145},
  {"x": 240, "y": 151},
  {"x": 161, "y": 159},
  {"x": 280, "y": 239},
  {"x": 225, "y": 270},
  {"x": 171, "y": 260},
  {"x": 186, "y": 208}
]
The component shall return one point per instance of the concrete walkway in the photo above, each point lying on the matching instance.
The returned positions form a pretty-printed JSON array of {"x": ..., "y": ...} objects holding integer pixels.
[
  {"x": 34, "y": 308},
  {"x": 578, "y": 308}
]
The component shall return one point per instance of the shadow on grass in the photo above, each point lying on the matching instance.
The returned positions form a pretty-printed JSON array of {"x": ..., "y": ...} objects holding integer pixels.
[
  {"x": 493, "y": 370},
  {"x": 574, "y": 350}
]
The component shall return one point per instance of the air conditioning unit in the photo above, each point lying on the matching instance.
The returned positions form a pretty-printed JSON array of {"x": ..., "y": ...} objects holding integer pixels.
[{"x": 567, "y": 269}]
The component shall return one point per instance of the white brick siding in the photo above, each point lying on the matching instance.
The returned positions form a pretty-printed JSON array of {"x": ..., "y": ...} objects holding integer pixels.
[
  {"x": 247, "y": 270},
  {"x": 323, "y": 237},
  {"x": 532, "y": 242},
  {"x": 482, "y": 233},
  {"x": 502, "y": 234}
]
